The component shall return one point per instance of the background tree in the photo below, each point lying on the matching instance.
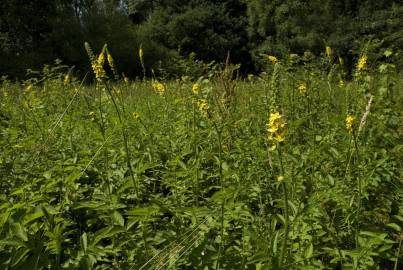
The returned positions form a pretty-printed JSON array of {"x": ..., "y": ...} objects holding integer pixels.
[{"x": 36, "y": 32}]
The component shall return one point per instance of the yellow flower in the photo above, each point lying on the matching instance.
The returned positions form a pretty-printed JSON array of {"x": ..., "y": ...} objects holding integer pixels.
[
  {"x": 110, "y": 59},
  {"x": 280, "y": 178},
  {"x": 112, "y": 64},
  {"x": 92, "y": 116},
  {"x": 97, "y": 67},
  {"x": 67, "y": 79},
  {"x": 159, "y": 88},
  {"x": 141, "y": 54},
  {"x": 101, "y": 58},
  {"x": 341, "y": 83},
  {"x": 329, "y": 52},
  {"x": 136, "y": 115},
  {"x": 350, "y": 122},
  {"x": 302, "y": 88},
  {"x": 28, "y": 88},
  {"x": 271, "y": 58},
  {"x": 196, "y": 88},
  {"x": 280, "y": 137},
  {"x": 275, "y": 127},
  {"x": 203, "y": 106},
  {"x": 362, "y": 62}
]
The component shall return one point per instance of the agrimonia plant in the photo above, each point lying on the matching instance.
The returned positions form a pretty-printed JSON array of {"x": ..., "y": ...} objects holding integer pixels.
[{"x": 205, "y": 192}]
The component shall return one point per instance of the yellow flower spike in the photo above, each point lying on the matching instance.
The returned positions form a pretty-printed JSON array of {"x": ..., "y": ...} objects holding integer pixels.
[
  {"x": 110, "y": 60},
  {"x": 203, "y": 106},
  {"x": 92, "y": 116},
  {"x": 196, "y": 88},
  {"x": 101, "y": 58},
  {"x": 136, "y": 115},
  {"x": 280, "y": 178},
  {"x": 362, "y": 63},
  {"x": 67, "y": 79},
  {"x": 159, "y": 88},
  {"x": 350, "y": 122},
  {"x": 329, "y": 52},
  {"x": 341, "y": 83},
  {"x": 302, "y": 88},
  {"x": 271, "y": 58},
  {"x": 98, "y": 69},
  {"x": 275, "y": 127},
  {"x": 141, "y": 54},
  {"x": 28, "y": 88},
  {"x": 280, "y": 137},
  {"x": 111, "y": 63}
]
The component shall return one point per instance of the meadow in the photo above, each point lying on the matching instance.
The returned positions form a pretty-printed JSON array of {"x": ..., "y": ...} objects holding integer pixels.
[{"x": 299, "y": 167}]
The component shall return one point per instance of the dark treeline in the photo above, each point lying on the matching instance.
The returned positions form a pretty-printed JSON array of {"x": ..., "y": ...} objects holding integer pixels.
[{"x": 36, "y": 32}]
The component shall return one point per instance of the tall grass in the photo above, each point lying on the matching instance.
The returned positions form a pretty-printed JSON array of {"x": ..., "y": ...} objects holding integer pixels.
[{"x": 195, "y": 180}]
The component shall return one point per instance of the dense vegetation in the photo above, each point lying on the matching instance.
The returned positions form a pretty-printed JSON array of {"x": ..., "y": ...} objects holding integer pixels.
[
  {"x": 36, "y": 32},
  {"x": 297, "y": 168},
  {"x": 201, "y": 134}
]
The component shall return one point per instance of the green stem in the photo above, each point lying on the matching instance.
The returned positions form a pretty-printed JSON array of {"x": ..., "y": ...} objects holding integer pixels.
[
  {"x": 126, "y": 144},
  {"x": 359, "y": 193},
  {"x": 397, "y": 255},
  {"x": 196, "y": 152},
  {"x": 221, "y": 248},
  {"x": 286, "y": 214}
]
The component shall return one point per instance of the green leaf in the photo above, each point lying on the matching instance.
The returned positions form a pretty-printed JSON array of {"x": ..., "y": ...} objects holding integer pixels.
[
  {"x": 143, "y": 211},
  {"x": 118, "y": 218},
  {"x": 84, "y": 241},
  {"x": 309, "y": 251},
  {"x": 388, "y": 53},
  {"x": 394, "y": 226},
  {"x": 19, "y": 231},
  {"x": 32, "y": 217},
  {"x": 47, "y": 175},
  {"x": 105, "y": 233},
  {"x": 19, "y": 255}
]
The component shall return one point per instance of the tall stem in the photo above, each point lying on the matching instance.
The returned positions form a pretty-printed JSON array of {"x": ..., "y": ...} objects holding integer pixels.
[
  {"x": 286, "y": 214},
  {"x": 359, "y": 184},
  {"x": 196, "y": 153},
  {"x": 221, "y": 248},
  {"x": 126, "y": 144}
]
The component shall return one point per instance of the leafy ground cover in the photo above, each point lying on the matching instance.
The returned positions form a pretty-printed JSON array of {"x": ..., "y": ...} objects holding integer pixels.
[{"x": 298, "y": 168}]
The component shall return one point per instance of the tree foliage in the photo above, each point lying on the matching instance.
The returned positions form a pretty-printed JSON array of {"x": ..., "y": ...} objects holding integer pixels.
[{"x": 36, "y": 32}]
